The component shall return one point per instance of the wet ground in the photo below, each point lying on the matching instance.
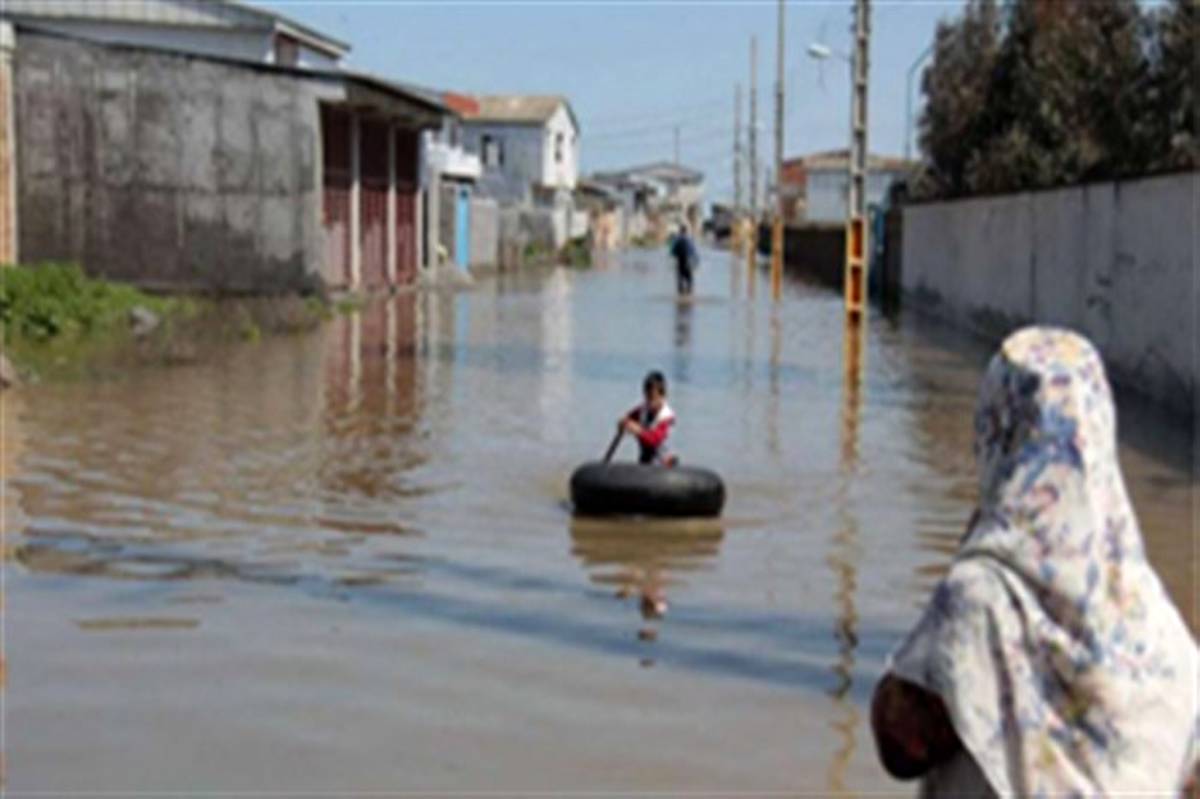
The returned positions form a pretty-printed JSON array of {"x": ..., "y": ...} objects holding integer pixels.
[{"x": 343, "y": 561}]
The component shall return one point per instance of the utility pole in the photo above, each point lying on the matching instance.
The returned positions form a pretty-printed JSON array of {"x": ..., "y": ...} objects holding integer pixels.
[
  {"x": 777, "y": 221},
  {"x": 858, "y": 251},
  {"x": 676, "y": 145},
  {"x": 737, "y": 156},
  {"x": 754, "y": 130}
]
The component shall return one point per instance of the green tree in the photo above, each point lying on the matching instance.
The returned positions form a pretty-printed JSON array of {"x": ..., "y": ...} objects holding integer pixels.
[
  {"x": 1176, "y": 74},
  {"x": 956, "y": 88},
  {"x": 1053, "y": 92}
]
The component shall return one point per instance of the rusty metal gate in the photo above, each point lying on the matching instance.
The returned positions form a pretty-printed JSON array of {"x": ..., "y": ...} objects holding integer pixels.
[
  {"x": 335, "y": 194},
  {"x": 373, "y": 203},
  {"x": 407, "y": 161}
]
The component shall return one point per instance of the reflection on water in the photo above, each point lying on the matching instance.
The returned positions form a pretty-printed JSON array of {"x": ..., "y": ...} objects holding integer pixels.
[
  {"x": 844, "y": 555},
  {"x": 366, "y": 525}
]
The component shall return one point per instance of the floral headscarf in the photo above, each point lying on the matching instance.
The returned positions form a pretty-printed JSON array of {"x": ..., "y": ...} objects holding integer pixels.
[{"x": 1062, "y": 663}]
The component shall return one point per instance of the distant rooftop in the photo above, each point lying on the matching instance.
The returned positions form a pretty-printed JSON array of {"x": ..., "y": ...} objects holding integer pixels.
[
  {"x": 519, "y": 109},
  {"x": 664, "y": 171},
  {"x": 840, "y": 159}
]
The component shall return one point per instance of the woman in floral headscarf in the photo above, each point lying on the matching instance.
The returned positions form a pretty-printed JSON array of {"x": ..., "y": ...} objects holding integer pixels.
[{"x": 1050, "y": 661}]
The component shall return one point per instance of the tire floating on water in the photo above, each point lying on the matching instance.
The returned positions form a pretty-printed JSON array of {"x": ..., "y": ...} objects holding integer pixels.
[{"x": 600, "y": 489}]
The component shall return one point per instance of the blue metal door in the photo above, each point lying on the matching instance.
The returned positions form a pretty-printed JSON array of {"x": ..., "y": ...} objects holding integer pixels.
[{"x": 462, "y": 229}]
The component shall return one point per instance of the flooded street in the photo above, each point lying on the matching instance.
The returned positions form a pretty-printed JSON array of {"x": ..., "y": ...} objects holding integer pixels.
[{"x": 344, "y": 561}]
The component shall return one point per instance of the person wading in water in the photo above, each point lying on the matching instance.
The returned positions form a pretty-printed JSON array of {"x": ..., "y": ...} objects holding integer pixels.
[{"x": 686, "y": 258}]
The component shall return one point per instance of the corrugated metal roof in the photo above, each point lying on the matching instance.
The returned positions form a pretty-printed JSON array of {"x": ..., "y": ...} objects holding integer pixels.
[{"x": 182, "y": 13}]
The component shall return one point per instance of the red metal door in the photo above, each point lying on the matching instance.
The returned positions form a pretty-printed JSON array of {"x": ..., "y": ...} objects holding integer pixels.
[
  {"x": 373, "y": 193},
  {"x": 335, "y": 194}
]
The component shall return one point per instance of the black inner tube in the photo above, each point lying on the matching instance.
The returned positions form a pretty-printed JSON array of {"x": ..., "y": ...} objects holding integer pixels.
[{"x": 631, "y": 488}]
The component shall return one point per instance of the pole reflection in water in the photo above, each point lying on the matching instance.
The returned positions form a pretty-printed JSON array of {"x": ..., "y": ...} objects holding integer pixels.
[
  {"x": 773, "y": 384},
  {"x": 751, "y": 267},
  {"x": 843, "y": 559}
]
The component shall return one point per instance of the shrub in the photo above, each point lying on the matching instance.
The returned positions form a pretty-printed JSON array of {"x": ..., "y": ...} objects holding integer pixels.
[{"x": 43, "y": 301}]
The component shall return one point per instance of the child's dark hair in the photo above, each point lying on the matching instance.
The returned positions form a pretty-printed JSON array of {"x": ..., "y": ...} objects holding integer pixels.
[{"x": 655, "y": 380}]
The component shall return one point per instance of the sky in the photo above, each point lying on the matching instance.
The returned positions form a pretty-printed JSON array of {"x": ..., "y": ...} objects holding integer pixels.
[{"x": 634, "y": 70}]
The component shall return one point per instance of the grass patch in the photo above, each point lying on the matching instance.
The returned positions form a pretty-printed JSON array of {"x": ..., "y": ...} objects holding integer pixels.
[
  {"x": 41, "y": 302},
  {"x": 537, "y": 253},
  {"x": 577, "y": 253}
]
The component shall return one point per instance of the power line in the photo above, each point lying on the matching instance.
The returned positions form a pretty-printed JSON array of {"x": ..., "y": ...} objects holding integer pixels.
[{"x": 622, "y": 120}]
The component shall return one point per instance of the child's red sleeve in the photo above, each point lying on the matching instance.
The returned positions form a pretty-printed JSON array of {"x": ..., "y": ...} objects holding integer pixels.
[{"x": 657, "y": 434}]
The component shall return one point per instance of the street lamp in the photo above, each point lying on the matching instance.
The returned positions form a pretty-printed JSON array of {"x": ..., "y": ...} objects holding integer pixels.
[
  {"x": 821, "y": 52},
  {"x": 908, "y": 123}
]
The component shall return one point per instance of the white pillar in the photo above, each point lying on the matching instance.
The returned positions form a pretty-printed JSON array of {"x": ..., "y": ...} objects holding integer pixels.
[
  {"x": 8, "y": 148},
  {"x": 434, "y": 212},
  {"x": 355, "y": 201},
  {"x": 391, "y": 206}
]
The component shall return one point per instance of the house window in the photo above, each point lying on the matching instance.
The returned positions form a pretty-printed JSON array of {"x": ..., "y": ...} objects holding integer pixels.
[
  {"x": 493, "y": 151},
  {"x": 287, "y": 50},
  {"x": 558, "y": 148}
]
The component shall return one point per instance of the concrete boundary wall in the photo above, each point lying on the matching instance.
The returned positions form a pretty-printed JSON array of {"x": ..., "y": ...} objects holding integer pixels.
[
  {"x": 1115, "y": 261},
  {"x": 166, "y": 170},
  {"x": 485, "y": 232}
]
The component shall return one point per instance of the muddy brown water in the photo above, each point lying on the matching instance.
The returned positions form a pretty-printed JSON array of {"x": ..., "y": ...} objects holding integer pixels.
[{"x": 343, "y": 561}]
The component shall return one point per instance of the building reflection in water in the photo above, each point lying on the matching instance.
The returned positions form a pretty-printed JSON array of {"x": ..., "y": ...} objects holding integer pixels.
[
  {"x": 373, "y": 400},
  {"x": 556, "y": 340},
  {"x": 843, "y": 559}
]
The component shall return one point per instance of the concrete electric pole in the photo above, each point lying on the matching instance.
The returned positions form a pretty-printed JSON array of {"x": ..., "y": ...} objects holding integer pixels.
[
  {"x": 777, "y": 220},
  {"x": 737, "y": 153},
  {"x": 858, "y": 251},
  {"x": 676, "y": 145},
  {"x": 753, "y": 132}
]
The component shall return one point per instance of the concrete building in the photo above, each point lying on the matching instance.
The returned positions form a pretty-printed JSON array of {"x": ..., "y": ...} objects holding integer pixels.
[
  {"x": 657, "y": 198},
  {"x": 529, "y": 146},
  {"x": 190, "y": 171},
  {"x": 815, "y": 186},
  {"x": 605, "y": 210},
  {"x": 220, "y": 28},
  {"x": 462, "y": 226}
]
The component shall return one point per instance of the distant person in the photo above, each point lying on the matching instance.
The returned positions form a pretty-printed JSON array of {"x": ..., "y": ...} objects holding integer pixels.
[
  {"x": 683, "y": 250},
  {"x": 651, "y": 422},
  {"x": 1050, "y": 660}
]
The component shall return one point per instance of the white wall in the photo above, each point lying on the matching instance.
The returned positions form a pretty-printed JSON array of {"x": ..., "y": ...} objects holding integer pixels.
[
  {"x": 564, "y": 173},
  {"x": 827, "y": 190},
  {"x": 311, "y": 58},
  {"x": 1115, "y": 261}
]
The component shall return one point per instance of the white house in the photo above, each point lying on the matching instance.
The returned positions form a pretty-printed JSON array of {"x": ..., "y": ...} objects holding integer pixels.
[
  {"x": 217, "y": 28},
  {"x": 816, "y": 186},
  {"x": 528, "y": 144}
]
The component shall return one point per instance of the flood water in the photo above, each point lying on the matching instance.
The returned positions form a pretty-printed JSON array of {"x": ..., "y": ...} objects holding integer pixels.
[{"x": 344, "y": 562}]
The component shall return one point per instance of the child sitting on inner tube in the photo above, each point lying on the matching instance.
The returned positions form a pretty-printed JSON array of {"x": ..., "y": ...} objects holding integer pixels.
[{"x": 651, "y": 422}]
